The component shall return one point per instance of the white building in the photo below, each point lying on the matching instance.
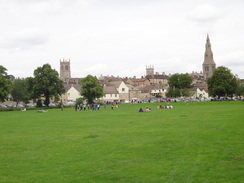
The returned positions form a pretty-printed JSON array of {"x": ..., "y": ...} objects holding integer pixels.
[{"x": 72, "y": 92}]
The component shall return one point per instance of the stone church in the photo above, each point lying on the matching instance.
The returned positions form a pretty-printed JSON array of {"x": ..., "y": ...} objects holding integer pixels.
[
  {"x": 65, "y": 73},
  {"x": 208, "y": 65},
  {"x": 72, "y": 85}
]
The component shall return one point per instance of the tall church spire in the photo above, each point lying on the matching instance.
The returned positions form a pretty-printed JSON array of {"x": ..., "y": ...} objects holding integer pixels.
[{"x": 208, "y": 65}]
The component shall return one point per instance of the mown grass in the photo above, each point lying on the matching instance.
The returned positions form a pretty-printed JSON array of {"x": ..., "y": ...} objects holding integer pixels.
[{"x": 199, "y": 142}]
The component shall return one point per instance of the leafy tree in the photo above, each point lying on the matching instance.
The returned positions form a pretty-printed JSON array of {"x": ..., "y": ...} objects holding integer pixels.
[
  {"x": 79, "y": 101},
  {"x": 170, "y": 92},
  {"x": 5, "y": 84},
  {"x": 222, "y": 83},
  {"x": 179, "y": 83},
  {"x": 20, "y": 91},
  {"x": 173, "y": 92},
  {"x": 46, "y": 83},
  {"x": 39, "y": 103},
  {"x": 240, "y": 91},
  {"x": 177, "y": 92},
  {"x": 91, "y": 88},
  {"x": 186, "y": 92},
  {"x": 10, "y": 77},
  {"x": 29, "y": 86}
]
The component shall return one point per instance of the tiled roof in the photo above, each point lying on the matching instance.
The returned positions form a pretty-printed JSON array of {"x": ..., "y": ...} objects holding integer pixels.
[
  {"x": 149, "y": 88},
  {"x": 131, "y": 87},
  {"x": 157, "y": 77},
  {"x": 68, "y": 86},
  {"x": 114, "y": 83},
  {"x": 110, "y": 90}
]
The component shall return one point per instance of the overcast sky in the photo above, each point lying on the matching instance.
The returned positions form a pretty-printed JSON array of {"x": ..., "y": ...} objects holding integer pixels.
[{"x": 120, "y": 37}]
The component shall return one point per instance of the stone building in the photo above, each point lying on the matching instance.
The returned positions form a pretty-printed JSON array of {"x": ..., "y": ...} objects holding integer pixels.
[
  {"x": 72, "y": 85},
  {"x": 149, "y": 70},
  {"x": 140, "y": 82},
  {"x": 65, "y": 69},
  {"x": 208, "y": 65},
  {"x": 157, "y": 78},
  {"x": 65, "y": 73}
]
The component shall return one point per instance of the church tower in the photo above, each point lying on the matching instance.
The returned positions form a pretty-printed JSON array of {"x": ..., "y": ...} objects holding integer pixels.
[
  {"x": 65, "y": 69},
  {"x": 149, "y": 70},
  {"x": 208, "y": 65}
]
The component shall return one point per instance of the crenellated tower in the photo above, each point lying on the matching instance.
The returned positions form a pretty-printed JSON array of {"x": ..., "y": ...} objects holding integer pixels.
[
  {"x": 149, "y": 70},
  {"x": 65, "y": 69},
  {"x": 208, "y": 65}
]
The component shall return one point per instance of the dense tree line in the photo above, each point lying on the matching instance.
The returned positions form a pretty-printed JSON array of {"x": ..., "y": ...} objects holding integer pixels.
[{"x": 45, "y": 83}]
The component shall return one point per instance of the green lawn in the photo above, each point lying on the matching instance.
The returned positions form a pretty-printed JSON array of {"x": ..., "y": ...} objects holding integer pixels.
[{"x": 195, "y": 143}]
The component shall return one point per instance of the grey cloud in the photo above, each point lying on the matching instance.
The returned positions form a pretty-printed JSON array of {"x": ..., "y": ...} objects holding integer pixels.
[{"x": 24, "y": 42}]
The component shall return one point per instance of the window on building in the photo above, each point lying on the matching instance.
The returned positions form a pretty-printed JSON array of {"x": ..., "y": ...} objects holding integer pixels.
[
  {"x": 115, "y": 95},
  {"x": 123, "y": 89},
  {"x": 206, "y": 68}
]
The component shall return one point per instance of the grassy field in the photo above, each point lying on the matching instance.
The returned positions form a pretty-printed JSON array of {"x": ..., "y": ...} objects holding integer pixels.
[{"x": 195, "y": 143}]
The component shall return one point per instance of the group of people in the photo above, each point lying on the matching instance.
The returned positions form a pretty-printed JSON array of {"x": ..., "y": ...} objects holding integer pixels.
[
  {"x": 165, "y": 107},
  {"x": 93, "y": 107},
  {"x": 114, "y": 106},
  {"x": 169, "y": 106},
  {"x": 147, "y": 110}
]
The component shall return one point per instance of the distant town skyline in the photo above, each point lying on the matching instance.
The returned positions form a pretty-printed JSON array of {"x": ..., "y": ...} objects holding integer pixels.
[{"x": 120, "y": 38}]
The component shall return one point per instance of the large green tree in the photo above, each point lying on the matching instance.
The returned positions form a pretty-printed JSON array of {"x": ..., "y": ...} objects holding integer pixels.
[
  {"x": 5, "y": 84},
  {"x": 91, "y": 88},
  {"x": 46, "y": 83},
  {"x": 222, "y": 83},
  {"x": 179, "y": 84},
  {"x": 240, "y": 89},
  {"x": 20, "y": 91}
]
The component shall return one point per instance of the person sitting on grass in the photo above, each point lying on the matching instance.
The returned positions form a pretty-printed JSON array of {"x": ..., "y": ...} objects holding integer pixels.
[
  {"x": 141, "y": 110},
  {"x": 41, "y": 111},
  {"x": 23, "y": 109},
  {"x": 148, "y": 110}
]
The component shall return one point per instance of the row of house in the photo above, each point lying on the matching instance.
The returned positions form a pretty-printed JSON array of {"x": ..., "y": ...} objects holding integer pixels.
[
  {"x": 121, "y": 91},
  {"x": 115, "y": 91}
]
